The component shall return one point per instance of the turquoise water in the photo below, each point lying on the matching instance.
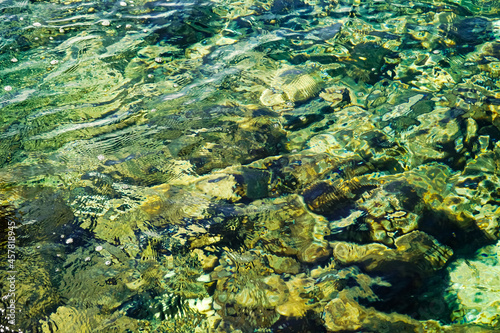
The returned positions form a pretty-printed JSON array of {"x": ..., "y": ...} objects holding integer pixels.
[{"x": 250, "y": 166}]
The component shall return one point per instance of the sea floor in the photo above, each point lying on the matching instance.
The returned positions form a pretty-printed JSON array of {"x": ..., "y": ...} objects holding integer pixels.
[{"x": 250, "y": 166}]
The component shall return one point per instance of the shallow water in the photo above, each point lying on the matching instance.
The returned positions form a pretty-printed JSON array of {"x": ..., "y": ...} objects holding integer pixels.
[{"x": 250, "y": 166}]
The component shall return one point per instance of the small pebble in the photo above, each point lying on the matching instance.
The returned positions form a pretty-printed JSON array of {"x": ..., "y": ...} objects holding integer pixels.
[
  {"x": 37, "y": 24},
  {"x": 69, "y": 240},
  {"x": 105, "y": 23},
  {"x": 13, "y": 60},
  {"x": 98, "y": 248},
  {"x": 107, "y": 263},
  {"x": 123, "y": 3},
  {"x": 54, "y": 62},
  {"x": 7, "y": 88}
]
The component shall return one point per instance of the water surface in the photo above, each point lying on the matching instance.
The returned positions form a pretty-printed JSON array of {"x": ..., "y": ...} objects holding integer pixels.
[{"x": 249, "y": 166}]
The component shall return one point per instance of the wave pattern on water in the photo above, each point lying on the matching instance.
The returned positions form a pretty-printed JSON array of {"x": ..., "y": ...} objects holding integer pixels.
[{"x": 251, "y": 166}]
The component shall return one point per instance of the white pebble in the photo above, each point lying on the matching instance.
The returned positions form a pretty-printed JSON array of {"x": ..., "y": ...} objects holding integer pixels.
[
  {"x": 13, "y": 60},
  {"x": 54, "y": 62},
  {"x": 62, "y": 236},
  {"x": 101, "y": 157},
  {"x": 204, "y": 278},
  {"x": 158, "y": 60},
  {"x": 7, "y": 88},
  {"x": 98, "y": 248},
  {"x": 37, "y": 24},
  {"x": 128, "y": 26},
  {"x": 107, "y": 263},
  {"x": 87, "y": 259},
  {"x": 105, "y": 23},
  {"x": 69, "y": 240},
  {"x": 123, "y": 3}
]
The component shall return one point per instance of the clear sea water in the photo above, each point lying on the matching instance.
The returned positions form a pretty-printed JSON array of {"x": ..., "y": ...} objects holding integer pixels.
[{"x": 249, "y": 166}]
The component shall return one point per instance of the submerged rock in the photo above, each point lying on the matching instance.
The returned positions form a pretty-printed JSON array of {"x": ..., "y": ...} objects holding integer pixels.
[
  {"x": 292, "y": 85},
  {"x": 415, "y": 253}
]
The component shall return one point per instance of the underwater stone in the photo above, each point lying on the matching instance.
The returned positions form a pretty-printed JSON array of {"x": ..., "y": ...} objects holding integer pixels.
[
  {"x": 289, "y": 228},
  {"x": 474, "y": 204},
  {"x": 219, "y": 186},
  {"x": 292, "y": 85},
  {"x": 302, "y": 88},
  {"x": 283, "y": 264},
  {"x": 386, "y": 215},
  {"x": 416, "y": 253},
  {"x": 68, "y": 319},
  {"x": 345, "y": 314},
  {"x": 292, "y": 172},
  {"x": 338, "y": 96},
  {"x": 435, "y": 130},
  {"x": 473, "y": 288}
]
